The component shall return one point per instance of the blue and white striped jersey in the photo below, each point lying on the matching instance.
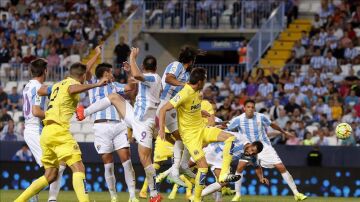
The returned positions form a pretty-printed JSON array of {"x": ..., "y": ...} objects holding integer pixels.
[
  {"x": 98, "y": 93},
  {"x": 31, "y": 98},
  {"x": 148, "y": 97},
  {"x": 217, "y": 148},
  {"x": 253, "y": 128},
  {"x": 177, "y": 69}
]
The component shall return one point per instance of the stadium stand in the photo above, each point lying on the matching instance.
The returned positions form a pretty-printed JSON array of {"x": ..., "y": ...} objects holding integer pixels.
[{"x": 305, "y": 94}]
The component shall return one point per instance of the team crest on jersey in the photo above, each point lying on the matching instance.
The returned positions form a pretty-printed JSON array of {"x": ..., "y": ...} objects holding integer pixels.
[
  {"x": 98, "y": 147},
  {"x": 76, "y": 147},
  {"x": 196, "y": 152}
]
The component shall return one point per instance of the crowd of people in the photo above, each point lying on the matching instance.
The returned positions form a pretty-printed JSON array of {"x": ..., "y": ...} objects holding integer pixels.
[
  {"x": 318, "y": 89},
  {"x": 53, "y": 30}
]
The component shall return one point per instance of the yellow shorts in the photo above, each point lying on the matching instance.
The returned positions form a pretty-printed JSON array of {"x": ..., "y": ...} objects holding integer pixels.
[
  {"x": 58, "y": 144},
  {"x": 163, "y": 150},
  {"x": 194, "y": 141}
]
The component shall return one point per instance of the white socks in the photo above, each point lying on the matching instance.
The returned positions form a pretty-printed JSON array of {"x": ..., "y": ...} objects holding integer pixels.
[
  {"x": 290, "y": 181},
  {"x": 150, "y": 176},
  {"x": 129, "y": 177},
  {"x": 55, "y": 186},
  {"x": 238, "y": 184},
  {"x": 185, "y": 159},
  {"x": 178, "y": 148},
  {"x": 97, "y": 106},
  {"x": 110, "y": 178},
  {"x": 211, "y": 189}
]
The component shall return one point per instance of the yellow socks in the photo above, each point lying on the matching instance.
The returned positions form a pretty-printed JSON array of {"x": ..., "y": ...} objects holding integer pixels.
[
  {"x": 188, "y": 185},
  {"x": 144, "y": 187},
  {"x": 79, "y": 185},
  {"x": 227, "y": 155},
  {"x": 33, "y": 189},
  {"x": 199, "y": 183}
]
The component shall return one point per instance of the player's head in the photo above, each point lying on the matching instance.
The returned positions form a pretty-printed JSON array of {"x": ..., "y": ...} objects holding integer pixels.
[
  {"x": 104, "y": 70},
  {"x": 254, "y": 148},
  {"x": 198, "y": 78},
  {"x": 77, "y": 71},
  {"x": 249, "y": 107},
  {"x": 149, "y": 63},
  {"x": 187, "y": 56},
  {"x": 38, "y": 68}
]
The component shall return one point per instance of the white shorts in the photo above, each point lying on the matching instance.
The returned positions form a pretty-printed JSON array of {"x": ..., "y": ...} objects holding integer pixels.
[
  {"x": 110, "y": 137},
  {"x": 268, "y": 157},
  {"x": 171, "y": 122},
  {"x": 213, "y": 159},
  {"x": 32, "y": 139},
  {"x": 143, "y": 131}
]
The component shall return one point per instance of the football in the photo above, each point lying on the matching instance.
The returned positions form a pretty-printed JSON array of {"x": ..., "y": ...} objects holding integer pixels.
[{"x": 343, "y": 130}]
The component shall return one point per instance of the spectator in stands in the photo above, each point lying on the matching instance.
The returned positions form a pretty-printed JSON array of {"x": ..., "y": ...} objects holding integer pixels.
[
  {"x": 351, "y": 99},
  {"x": 53, "y": 60},
  {"x": 305, "y": 41},
  {"x": 4, "y": 52},
  {"x": 24, "y": 154},
  {"x": 122, "y": 52},
  {"x": 252, "y": 87},
  {"x": 79, "y": 44},
  {"x": 29, "y": 56},
  {"x": 119, "y": 75},
  {"x": 265, "y": 88},
  {"x": 291, "y": 106},
  {"x": 330, "y": 62},
  {"x": 214, "y": 88},
  {"x": 14, "y": 100},
  {"x": 3, "y": 98},
  {"x": 235, "y": 18},
  {"x": 224, "y": 110},
  {"x": 351, "y": 53},
  {"x": 225, "y": 88},
  {"x": 238, "y": 86},
  {"x": 9, "y": 133},
  {"x": 317, "y": 61},
  {"x": 299, "y": 50},
  {"x": 274, "y": 111},
  {"x": 232, "y": 74}
]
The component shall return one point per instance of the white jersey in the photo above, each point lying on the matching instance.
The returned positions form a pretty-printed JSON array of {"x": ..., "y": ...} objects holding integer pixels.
[
  {"x": 31, "y": 98},
  {"x": 253, "y": 128},
  {"x": 148, "y": 97},
  {"x": 99, "y": 93},
  {"x": 177, "y": 69}
]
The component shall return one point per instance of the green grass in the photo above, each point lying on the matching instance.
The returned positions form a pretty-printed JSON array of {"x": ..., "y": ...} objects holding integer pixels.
[{"x": 69, "y": 196}]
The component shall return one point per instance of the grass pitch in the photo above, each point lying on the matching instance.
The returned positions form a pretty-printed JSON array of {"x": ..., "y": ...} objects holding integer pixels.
[{"x": 69, "y": 196}]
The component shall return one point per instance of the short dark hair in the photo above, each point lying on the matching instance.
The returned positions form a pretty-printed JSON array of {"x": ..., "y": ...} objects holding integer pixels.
[
  {"x": 101, "y": 68},
  {"x": 37, "y": 67},
  {"x": 197, "y": 74},
  {"x": 150, "y": 63},
  {"x": 259, "y": 146},
  {"x": 249, "y": 101},
  {"x": 187, "y": 54},
  {"x": 77, "y": 69}
]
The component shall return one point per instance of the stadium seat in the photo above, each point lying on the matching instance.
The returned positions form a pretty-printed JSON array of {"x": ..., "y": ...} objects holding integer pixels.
[
  {"x": 17, "y": 115},
  {"x": 9, "y": 85},
  {"x": 282, "y": 45},
  {"x": 21, "y": 85},
  {"x": 289, "y": 36},
  {"x": 275, "y": 54},
  {"x": 272, "y": 63},
  {"x": 302, "y": 21},
  {"x": 301, "y": 27},
  {"x": 345, "y": 69},
  {"x": 79, "y": 137},
  {"x": 75, "y": 128},
  {"x": 3, "y": 68}
]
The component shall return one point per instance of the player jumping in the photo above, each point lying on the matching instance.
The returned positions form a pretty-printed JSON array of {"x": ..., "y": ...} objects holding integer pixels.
[
  {"x": 253, "y": 125},
  {"x": 56, "y": 141},
  {"x": 194, "y": 132},
  {"x": 142, "y": 117},
  {"x": 110, "y": 131}
]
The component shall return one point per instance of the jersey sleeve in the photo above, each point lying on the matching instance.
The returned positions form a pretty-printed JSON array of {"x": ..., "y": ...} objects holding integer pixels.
[
  {"x": 178, "y": 99},
  {"x": 206, "y": 105},
  {"x": 119, "y": 87},
  {"x": 265, "y": 120},
  {"x": 36, "y": 99},
  {"x": 175, "y": 69},
  {"x": 234, "y": 123}
]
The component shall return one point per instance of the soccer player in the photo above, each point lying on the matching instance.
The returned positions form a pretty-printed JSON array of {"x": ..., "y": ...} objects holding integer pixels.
[
  {"x": 242, "y": 150},
  {"x": 56, "y": 142},
  {"x": 194, "y": 132},
  {"x": 142, "y": 117},
  {"x": 33, "y": 108},
  {"x": 111, "y": 131},
  {"x": 253, "y": 125},
  {"x": 175, "y": 77}
]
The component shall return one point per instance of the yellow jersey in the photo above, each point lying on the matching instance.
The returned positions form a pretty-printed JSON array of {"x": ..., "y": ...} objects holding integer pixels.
[
  {"x": 206, "y": 106},
  {"x": 188, "y": 105},
  {"x": 62, "y": 105}
]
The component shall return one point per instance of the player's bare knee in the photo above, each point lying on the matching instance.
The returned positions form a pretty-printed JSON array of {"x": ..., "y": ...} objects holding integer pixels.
[
  {"x": 51, "y": 175},
  {"x": 78, "y": 167},
  {"x": 124, "y": 154},
  {"x": 281, "y": 168},
  {"x": 107, "y": 158}
]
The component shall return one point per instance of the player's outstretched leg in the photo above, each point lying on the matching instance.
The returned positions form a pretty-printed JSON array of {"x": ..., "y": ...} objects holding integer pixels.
[
  {"x": 200, "y": 178},
  {"x": 39, "y": 184},
  {"x": 290, "y": 181},
  {"x": 225, "y": 175},
  {"x": 124, "y": 155},
  {"x": 238, "y": 184},
  {"x": 144, "y": 188},
  {"x": 55, "y": 186},
  {"x": 79, "y": 180}
]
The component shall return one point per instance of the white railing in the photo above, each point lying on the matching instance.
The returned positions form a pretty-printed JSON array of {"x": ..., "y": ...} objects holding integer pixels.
[
  {"x": 192, "y": 14},
  {"x": 265, "y": 36},
  {"x": 219, "y": 71}
]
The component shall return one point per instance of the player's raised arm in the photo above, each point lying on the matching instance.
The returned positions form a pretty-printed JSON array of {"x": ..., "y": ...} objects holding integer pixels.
[
  {"x": 44, "y": 90},
  {"x": 278, "y": 128},
  {"x": 260, "y": 175},
  {"x": 171, "y": 79},
  {"x": 137, "y": 74},
  {"x": 131, "y": 84},
  {"x": 92, "y": 61},
  {"x": 79, "y": 88}
]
